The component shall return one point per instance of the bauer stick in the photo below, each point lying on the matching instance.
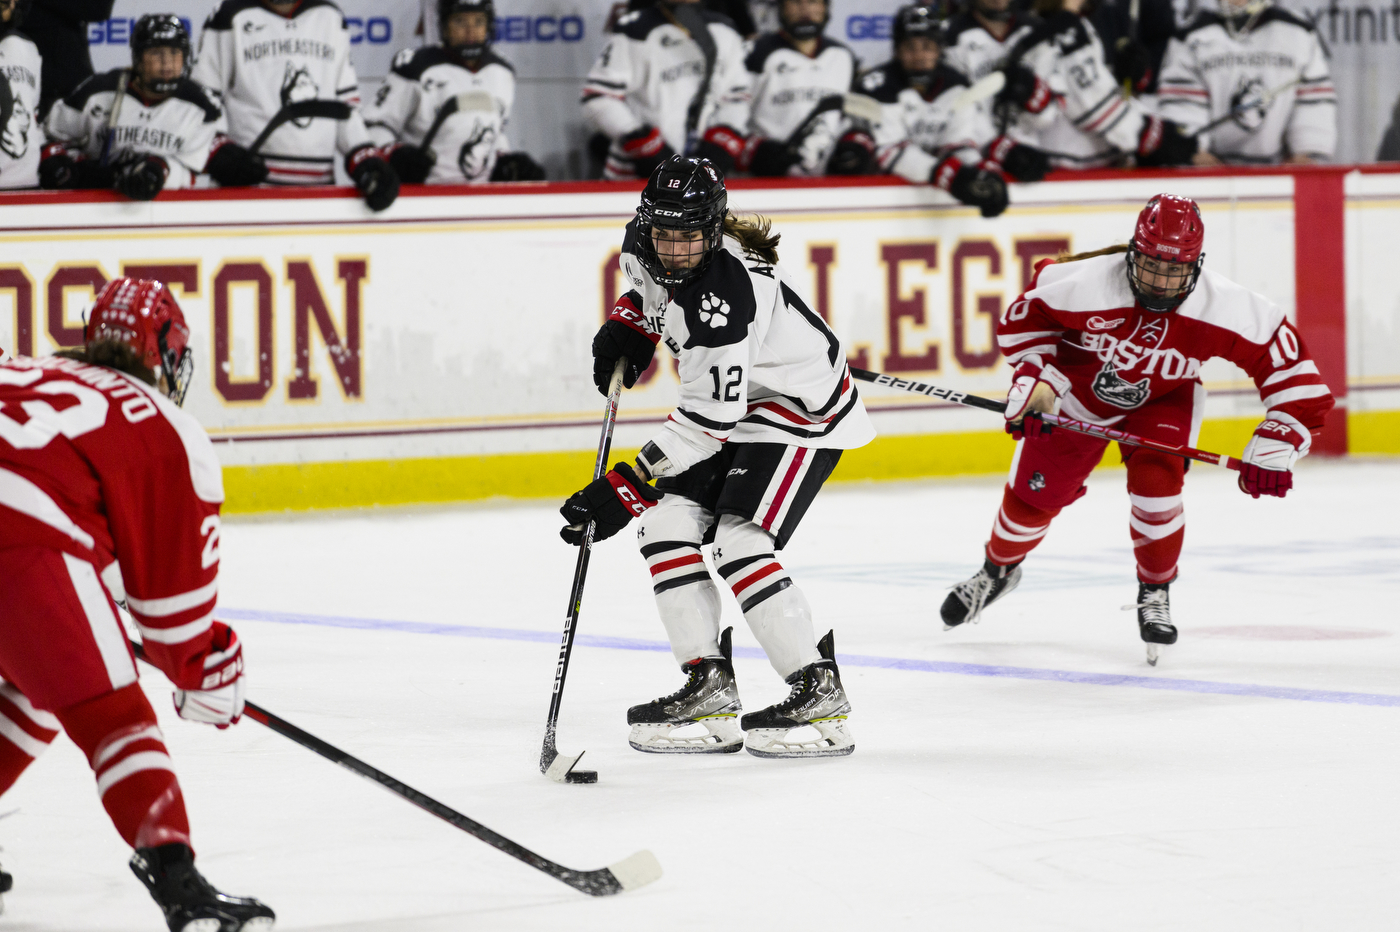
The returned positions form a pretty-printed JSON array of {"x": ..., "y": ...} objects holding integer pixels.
[
  {"x": 302, "y": 110},
  {"x": 122, "y": 80},
  {"x": 628, "y": 874},
  {"x": 1055, "y": 420},
  {"x": 560, "y": 767}
]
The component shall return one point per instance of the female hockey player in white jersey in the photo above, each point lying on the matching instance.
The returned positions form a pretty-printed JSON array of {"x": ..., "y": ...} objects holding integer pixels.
[
  {"x": 766, "y": 406},
  {"x": 263, "y": 58},
  {"x": 165, "y": 125},
  {"x": 442, "y": 111},
  {"x": 1253, "y": 79},
  {"x": 671, "y": 79},
  {"x": 20, "y": 137}
]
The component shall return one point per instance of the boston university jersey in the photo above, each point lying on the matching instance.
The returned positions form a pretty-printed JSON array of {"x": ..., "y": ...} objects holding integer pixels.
[
  {"x": 69, "y": 481},
  {"x": 179, "y": 129},
  {"x": 651, "y": 70},
  {"x": 1274, "y": 77},
  {"x": 407, "y": 104},
  {"x": 1081, "y": 318},
  {"x": 20, "y": 138},
  {"x": 756, "y": 364},
  {"x": 258, "y": 62},
  {"x": 918, "y": 129},
  {"x": 788, "y": 85}
]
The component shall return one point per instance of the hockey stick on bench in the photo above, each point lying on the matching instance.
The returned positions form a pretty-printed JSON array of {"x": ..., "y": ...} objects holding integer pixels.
[
  {"x": 1055, "y": 420},
  {"x": 302, "y": 110},
  {"x": 638, "y": 870}
]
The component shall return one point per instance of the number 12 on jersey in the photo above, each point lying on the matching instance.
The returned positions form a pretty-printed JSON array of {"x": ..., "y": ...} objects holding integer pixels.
[{"x": 731, "y": 387}]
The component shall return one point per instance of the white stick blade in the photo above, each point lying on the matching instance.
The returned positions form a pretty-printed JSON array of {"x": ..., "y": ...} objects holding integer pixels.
[
  {"x": 862, "y": 107},
  {"x": 560, "y": 768},
  {"x": 981, "y": 89},
  {"x": 475, "y": 100},
  {"x": 639, "y": 870}
]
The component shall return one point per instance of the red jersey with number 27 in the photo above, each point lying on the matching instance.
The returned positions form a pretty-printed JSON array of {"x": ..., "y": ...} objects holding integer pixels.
[{"x": 97, "y": 464}]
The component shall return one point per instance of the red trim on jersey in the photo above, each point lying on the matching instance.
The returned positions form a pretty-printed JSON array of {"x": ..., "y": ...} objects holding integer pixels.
[
  {"x": 778, "y": 499},
  {"x": 660, "y": 568},
  {"x": 747, "y": 581}
]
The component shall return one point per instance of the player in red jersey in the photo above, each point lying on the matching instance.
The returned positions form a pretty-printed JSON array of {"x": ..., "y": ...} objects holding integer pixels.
[
  {"x": 1123, "y": 345},
  {"x": 108, "y": 491}
]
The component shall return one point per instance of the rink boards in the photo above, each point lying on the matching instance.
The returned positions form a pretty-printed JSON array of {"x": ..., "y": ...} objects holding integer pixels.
[{"x": 440, "y": 350}]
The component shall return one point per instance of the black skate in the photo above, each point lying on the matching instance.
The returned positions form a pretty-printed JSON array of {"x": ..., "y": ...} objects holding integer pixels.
[
  {"x": 6, "y": 882},
  {"x": 968, "y": 598},
  {"x": 190, "y": 902},
  {"x": 710, "y": 697},
  {"x": 1154, "y": 615},
  {"x": 818, "y": 700}
]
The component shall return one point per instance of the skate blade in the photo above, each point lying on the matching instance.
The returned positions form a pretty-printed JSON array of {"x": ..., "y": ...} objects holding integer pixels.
[
  {"x": 1154, "y": 651},
  {"x": 722, "y": 736},
  {"x": 770, "y": 743}
]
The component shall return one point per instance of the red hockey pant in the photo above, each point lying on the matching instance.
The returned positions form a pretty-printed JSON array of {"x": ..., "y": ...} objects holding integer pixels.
[
  {"x": 66, "y": 663},
  {"x": 1048, "y": 474}
]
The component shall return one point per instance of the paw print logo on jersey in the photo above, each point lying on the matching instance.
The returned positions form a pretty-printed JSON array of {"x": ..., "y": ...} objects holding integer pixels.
[{"x": 713, "y": 310}]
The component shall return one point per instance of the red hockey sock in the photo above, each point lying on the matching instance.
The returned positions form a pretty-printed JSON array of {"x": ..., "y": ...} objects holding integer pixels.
[
  {"x": 1017, "y": 529},
  {"x": 25, "y": 732},
  {"x": 1158, "y": 523},
  {"x": 135, "y": 778}
]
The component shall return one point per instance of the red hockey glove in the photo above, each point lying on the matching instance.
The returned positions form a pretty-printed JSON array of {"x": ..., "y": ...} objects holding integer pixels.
[
  {"x": 1269, "y": 457},
  {"x": 624, "y": 333},
  {"x": 219, "y": 700},
  {"x": 612, "y": 501},
  {"x": 725, "y": 147},
  {"x": 647, "y": 149}
]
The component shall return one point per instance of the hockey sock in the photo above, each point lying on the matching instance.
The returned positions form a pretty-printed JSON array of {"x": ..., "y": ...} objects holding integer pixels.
[
  {"x": 686, "y": 598},
  {"x": 25, "y": 732},
  {"x": 1017, "y": 530},
  {"x": 1158, "y": 521},
  {"x": 776, "y": 610},
  {"x": 135, "y": 777}
]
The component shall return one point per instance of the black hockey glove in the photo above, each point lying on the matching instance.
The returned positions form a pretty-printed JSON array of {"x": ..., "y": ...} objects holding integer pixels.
[
  {"x": 233, "y": 166},
  {"x": 854, "y": 155},
  {"x": 59, "y": 169},
  {"x": 772, "y": 159},
  {"x": 646, "y": 149},
  {"x": 980, "y": 188},
  {"x": 724, "y": 146},
  {"x": 1162, "y": 143},
  {"x": 517, "y": 166},
  {"x": 612, "y": 501},
  {"x": 1132, "y": 62},
  {"x": 376, "y": 179},
  {"x": 141, "y": 178},
  {"x": 614, "y": 340},
  {"x": 1026, "y": 163},
  {"x": 411, "y": 163},
  {"x": 1023, "y": 91}
]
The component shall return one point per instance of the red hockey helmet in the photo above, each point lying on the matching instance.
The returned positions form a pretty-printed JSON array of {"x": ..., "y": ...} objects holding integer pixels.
[
  {"x": 1165, "y": 257},
  {"x": 142, "y": 314}
]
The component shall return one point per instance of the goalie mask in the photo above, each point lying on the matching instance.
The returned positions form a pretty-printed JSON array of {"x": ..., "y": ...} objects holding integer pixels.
[
  {"x": 680, "y": 222},
  {"x": 470, "y": 51},
  {"x": 142, "y": 315},
  {"x": 1165, "y": 257},
  {"x": 155, "y": 31},
  {"x": 802, "y": 29}
]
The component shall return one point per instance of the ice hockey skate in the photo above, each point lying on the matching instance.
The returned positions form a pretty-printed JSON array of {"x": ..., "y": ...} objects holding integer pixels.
[
  {"x": 1154, "y": 615},
  {"x": 190, "y": 903},
  {"x": 817, "y": 700},
  {"x": 965, "y": 603},
  {"x": 710, "y": 697}
]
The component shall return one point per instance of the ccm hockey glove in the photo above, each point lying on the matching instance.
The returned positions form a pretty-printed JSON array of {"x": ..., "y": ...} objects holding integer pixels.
[
  {"x": 1269, "y": 457},
  {"x": 1021, "y": 162},
  {"x": 141, "y": 178},
  {"x": 612, "y": 501},
  {"x": 1162, "y": 142},
  {"x": 376, "y": 179},
  {"x": 623, "y": 334},
  {"x": 219, "y": 700},
  {"x": 647, "y": 149}
]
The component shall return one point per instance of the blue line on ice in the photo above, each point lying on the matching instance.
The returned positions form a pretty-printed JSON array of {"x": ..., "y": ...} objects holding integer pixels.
[{"x": 849, "y": 660}]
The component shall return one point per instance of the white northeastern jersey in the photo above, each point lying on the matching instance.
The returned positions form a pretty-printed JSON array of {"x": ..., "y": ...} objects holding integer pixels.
[
  {"x": 1273, "y": 76},
  {"x": 1090, "y": 123},
  {"x": 179, "y": 129},
  {"x": 406, "y": 108},
  {"x": 756, "y": 364},
  {"x": 788, "y": 85},
  {"x": 976, "y": 53},
  {"x": 258, "y": 61},
  {"x": 20, "y": 136},
  {"x": 650, "y": 71},
  {"x": 918, "y": 129}
]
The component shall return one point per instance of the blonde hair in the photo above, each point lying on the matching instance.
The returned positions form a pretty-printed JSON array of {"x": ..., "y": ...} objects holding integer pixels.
[
  {"x": 1106, "y": 251},
  {"x": 755, "y": 235}
]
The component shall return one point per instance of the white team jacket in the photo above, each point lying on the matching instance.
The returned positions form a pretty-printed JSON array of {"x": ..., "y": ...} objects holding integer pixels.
[
  {"x": 787, "y": 85},
  {"x": 420, "y": 83},
  {"x": 917, "y": 132},
  {"x": 649, "y": 72},
  {"x": 757, "y": 365},
  {"x": 1212, "y": 69},
  {"x": 257, "y": 61},
  {"x": 179, "y": 129},
  {"x": 20, "y": 136}
]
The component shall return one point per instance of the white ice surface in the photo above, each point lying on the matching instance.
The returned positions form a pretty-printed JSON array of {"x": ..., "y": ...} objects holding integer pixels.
[{"x": 972, "y": 802}]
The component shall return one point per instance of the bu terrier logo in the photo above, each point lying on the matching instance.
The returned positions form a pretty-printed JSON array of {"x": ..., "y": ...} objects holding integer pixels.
[
  {"x": 1112, "y": 388},
  {"x": 1037, "y": 481}
]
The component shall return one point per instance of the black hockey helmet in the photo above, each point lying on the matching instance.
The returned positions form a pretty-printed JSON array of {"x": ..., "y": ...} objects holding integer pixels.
[
  {"x": 21, "y": 9},
  {"x": 682, "y": 195},
  {"x": 803, "y": 30},
  {"x": 918, "y": 19},
  {"x": 160, "y": 30},
  {"x": 445, "y": 10}
]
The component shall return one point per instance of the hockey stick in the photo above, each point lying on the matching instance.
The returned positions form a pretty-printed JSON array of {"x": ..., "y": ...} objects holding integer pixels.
[
  {"x": 628, "y": 874},
  {"x": 560, "y": 768},
  {"x": 122, "y": 80},
  {"x": 687, "y": 17},
  {"x": 857, "y": 106},
  {"x": 301, "y": 110},
  {"x": 1261, "y": 104},
  {"x": 465, "y": 101},
  {"x": 1055, "y": 420},
  {"x": 988, "y": 85}
]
